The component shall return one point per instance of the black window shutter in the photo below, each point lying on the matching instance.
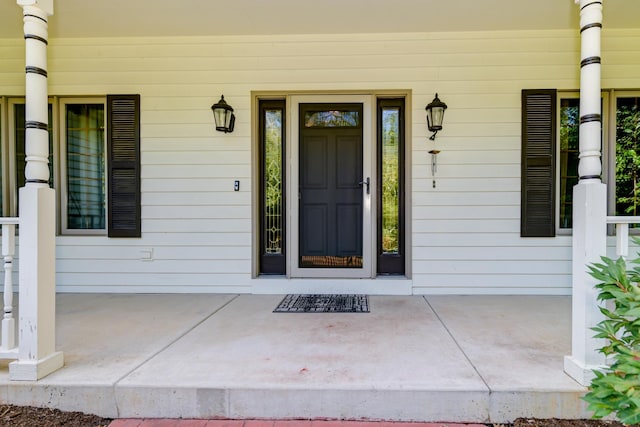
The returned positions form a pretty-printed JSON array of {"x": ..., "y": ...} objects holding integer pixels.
[
  {"x": 537, "y": 217},
  {"x": 123, "y": 165}
]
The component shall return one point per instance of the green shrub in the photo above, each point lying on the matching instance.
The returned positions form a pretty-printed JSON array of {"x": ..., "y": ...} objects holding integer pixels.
[{"x": 616, "y": 388}]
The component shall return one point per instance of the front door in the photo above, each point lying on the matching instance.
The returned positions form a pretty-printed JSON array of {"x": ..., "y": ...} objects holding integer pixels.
[{"x": 334, "y": 190}]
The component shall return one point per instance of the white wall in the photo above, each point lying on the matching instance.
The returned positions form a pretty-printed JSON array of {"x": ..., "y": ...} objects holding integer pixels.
[{"x": 465, "y": 232}]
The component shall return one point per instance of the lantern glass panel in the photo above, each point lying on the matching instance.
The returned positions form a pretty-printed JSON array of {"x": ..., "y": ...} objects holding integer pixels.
[
  {"x": 227, "y": 119},
  {"x": 437, "y": 114},
  {"x": 219, "y": 116}
]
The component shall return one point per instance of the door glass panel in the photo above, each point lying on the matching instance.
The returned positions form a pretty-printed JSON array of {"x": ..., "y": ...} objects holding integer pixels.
[
  {"x": 327, "y": 261},
  {"x": 331, "y": 119},
  {"x": 627, "y": 156}
]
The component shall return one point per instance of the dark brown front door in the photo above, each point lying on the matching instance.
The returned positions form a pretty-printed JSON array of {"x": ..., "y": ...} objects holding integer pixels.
[{"x": 331, "y": 186}]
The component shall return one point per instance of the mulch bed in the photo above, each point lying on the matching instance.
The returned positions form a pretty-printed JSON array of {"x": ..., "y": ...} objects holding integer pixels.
[{"x": 27, "y": 416}]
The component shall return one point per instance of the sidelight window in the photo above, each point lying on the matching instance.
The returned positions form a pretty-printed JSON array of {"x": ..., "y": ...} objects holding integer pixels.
[
  {"x": 272, "y": 218},
  {"x": 391, "y": 188}
]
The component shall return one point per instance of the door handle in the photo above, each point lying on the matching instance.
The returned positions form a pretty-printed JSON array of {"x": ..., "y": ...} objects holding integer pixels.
[{"x": 366, "y": 182}]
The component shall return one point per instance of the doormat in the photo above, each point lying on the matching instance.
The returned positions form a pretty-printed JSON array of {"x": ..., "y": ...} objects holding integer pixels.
[{"x": 294, "y": 303}]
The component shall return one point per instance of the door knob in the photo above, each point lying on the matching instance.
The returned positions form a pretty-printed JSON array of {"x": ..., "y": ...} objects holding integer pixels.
[{"x": 366, "y": 182}]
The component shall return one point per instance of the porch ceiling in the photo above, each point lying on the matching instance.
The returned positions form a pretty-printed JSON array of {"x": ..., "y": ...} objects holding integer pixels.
[{"x": 99, "y": 18}]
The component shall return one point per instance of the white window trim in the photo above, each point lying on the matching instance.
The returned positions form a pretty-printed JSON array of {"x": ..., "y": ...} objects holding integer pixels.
[
  {"x": 611, "y": 149},
  {"x": 62, "y": 149}
]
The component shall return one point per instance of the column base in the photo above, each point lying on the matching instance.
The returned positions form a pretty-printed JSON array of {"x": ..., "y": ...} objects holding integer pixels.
[
  {"x": 33, "y": 370},
  {"x": 580, "y": 372}
]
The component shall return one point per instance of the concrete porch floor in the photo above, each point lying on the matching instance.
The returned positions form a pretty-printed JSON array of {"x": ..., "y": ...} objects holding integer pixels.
[{"x": 412, "y": 358}]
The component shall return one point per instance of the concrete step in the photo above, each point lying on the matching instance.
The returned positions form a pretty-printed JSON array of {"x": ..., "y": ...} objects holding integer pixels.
[
  {"x": 277, "y": 423},
  {"x": 454, "y": 359}
]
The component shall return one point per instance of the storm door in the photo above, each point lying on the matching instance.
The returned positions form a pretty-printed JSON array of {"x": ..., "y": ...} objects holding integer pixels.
[{"x": 334, "y": 189}]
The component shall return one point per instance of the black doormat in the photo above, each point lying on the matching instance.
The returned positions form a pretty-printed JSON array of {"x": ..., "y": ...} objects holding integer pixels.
[{"x": 294, "y": 303}]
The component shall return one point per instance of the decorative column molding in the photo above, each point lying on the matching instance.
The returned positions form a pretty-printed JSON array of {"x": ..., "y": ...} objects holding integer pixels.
[
  {"x": 37, "y": 355},
  {"x": 590, "y": 166},
  {"x": 36, "y": 37},
  {"x": 589, "y": 203}
]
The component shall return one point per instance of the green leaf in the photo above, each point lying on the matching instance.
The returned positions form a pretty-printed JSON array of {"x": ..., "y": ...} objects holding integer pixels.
[
  {"x": 635, "y": 312},
  {"x": 629, "y": 416},
  {"x": 600, "y": 412}
]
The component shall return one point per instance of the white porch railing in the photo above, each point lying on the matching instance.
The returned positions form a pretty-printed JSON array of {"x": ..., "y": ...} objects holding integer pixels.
[
  {"x": 8, "y": 347},
  {"x": 622, "y": 232}
]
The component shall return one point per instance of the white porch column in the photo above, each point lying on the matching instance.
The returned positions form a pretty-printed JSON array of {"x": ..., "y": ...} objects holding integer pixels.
[
  {"x": 589, "y": 203},
  {"x": 37, "y": 286}
]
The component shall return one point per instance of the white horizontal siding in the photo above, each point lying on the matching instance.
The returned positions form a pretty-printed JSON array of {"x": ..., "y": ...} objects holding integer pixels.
[
  {"x": 506, "y": 280},
  {"x": 465, "y": 232},
  {"x": 481, "y": 238},
  {"x": 211, "y": 266},
  {"x": 161, "y": 254},
  {"x": 225, "y": 227},
  {"x": 510, "y": 253},
  {"x": 466, "y": 226},
  {"x": 466, "y": 243}
]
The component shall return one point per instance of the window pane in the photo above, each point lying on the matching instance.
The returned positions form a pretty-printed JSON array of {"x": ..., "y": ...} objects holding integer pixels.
[
  {"x": 85, "y": 166},
  {"x": 19, "y": 137},
  {"x": 331, "y": 119},
  {"x": 273, "y": 215},
  {"x": 390, "y": 180},
  {"x": 1, "y": 180},
  {"x": 569, "y": 150},
  {"x": 627, "y": 156}
]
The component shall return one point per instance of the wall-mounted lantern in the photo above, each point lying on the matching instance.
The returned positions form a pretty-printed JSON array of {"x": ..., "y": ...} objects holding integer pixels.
[
  {"x": 223, "y": 116},
  {"x": 435, "y": 115}
]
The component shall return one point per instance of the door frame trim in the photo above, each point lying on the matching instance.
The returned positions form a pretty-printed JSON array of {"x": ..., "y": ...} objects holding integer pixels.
[{"x": 369, "y": 200}]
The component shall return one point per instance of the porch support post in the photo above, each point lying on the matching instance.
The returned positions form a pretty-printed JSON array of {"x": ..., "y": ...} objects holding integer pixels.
[
  {"x": 589, "y": 203},
  {"x": 37, "y": 356}
]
